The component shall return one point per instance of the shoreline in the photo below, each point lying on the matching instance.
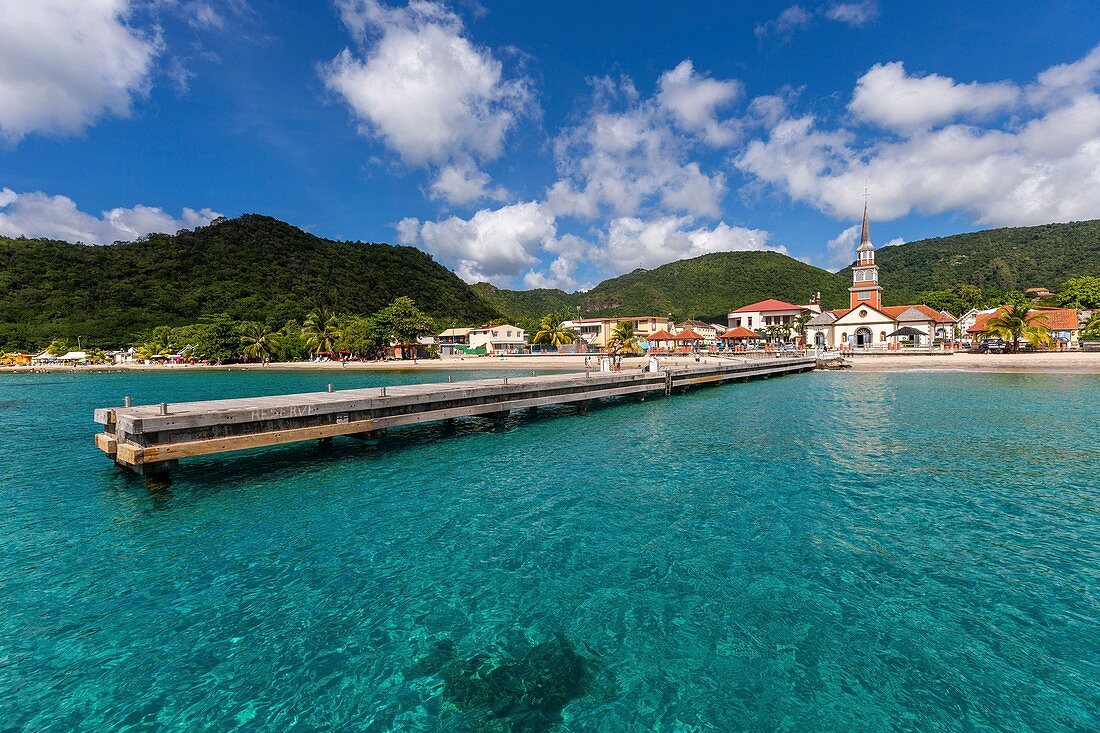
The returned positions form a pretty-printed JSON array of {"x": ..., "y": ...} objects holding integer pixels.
[{"x": 1071, "y": 362}]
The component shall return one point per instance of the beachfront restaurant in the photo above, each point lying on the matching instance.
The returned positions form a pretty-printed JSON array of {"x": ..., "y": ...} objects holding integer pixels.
[
  {"x": 739, "y": 339},
  {"x": 660, "y": 342},
  {"x": 687, "y": 341}
]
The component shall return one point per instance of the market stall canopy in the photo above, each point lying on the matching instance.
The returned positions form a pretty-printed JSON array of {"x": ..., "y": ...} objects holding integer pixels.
[
  {"x": 907, "y": 331},
  {"x": 740, "y": 333}
]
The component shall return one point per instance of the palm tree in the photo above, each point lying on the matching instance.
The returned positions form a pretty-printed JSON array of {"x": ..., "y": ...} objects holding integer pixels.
[
  {"x": 322, "y": 331},
  {"x": 259, "y": 341},
  {"x": 623, "y": 338},
  {"x": 551, "y": 332},
  {"x": 1092, "y": 326},
  {"x": 1015, "y": 323}
]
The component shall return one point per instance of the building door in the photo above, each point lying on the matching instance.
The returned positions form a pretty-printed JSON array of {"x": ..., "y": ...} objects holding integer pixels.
[
  {"x": 863, "y": 337},
  {"x": 819, "y": 340}
]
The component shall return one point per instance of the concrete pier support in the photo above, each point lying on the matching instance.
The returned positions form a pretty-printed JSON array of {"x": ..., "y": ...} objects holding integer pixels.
[
  {"x": 582, "y": 407},
  {"x": 498, "y": 418}
]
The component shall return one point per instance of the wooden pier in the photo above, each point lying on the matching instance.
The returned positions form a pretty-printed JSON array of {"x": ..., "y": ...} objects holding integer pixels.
[{"x": 150, "y": 439}]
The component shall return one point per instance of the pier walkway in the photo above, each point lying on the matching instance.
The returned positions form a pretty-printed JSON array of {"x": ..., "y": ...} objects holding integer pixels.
[{"x": 150, "y": 439}]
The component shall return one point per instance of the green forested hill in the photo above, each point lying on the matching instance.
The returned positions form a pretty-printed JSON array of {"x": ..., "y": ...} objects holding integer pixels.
[
  {"x": 997, "y": 259},
  {"x": 253, "y": 267},
  {"x": 704, "y": 287},
  {"x": 707, "y": 287},
  {"x": 258, "y": 268}
]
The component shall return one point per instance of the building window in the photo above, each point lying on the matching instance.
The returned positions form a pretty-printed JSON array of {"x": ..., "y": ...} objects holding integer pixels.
[
  {"x": 750, "y": 321},
  {"x": 863, "y": 294},
  {"x": 736, "y": 322}
]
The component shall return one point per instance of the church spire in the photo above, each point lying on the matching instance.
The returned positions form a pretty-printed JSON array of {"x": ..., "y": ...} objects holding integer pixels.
[{"x": 865, "y": 236}]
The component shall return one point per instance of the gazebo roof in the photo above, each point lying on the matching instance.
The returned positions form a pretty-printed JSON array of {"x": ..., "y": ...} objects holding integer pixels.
[
  {"x": 661, "y": 335},
  {"x": 740, "y": 333},
  {"x": 688, "y": 335}
]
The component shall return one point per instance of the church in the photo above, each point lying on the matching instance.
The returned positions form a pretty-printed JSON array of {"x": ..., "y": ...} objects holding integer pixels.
[{"x": 866, "y": 323}]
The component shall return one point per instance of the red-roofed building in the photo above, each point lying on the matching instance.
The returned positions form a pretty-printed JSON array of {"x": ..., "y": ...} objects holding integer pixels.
[
  {"x": 770, "y": 312},
  {"x": 868, "y": 324},
  {"x": 1063, "y": 323}
]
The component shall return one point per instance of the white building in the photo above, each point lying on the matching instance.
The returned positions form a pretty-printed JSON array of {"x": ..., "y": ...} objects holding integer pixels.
[
  {"x": 502, "y": 339},
  {"x": 770, "y": 312},
  {"x": 867, "y": 323}
]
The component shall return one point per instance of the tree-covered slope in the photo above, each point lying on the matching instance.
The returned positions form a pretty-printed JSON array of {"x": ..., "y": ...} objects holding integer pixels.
[
  {"x": 524, "y": 304},
  {"x": 253, "y": 267},
  {"x": 704, "y": 287},
  {"x": 997, "y": 259}
]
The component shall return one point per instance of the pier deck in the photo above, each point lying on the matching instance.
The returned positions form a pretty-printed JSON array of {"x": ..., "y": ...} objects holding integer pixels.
[{"x": 149, "y": 439}]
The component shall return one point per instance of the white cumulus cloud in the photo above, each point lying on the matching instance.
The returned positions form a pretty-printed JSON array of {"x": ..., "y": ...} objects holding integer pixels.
[
  {"x": 66, "y": 63},
  {"x": 630, "y": 154},
  {"x": 37, "y": 214},
  {"x": 887, "y": 96},
  {"x": 420, "y": 85},
  {"x": 1042, "y": 164},
  {"x": 694, "y": 101},
  {"x": 494, "y": 244}
]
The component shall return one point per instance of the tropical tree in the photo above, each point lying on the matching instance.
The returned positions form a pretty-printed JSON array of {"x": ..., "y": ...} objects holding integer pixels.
[
  {"x": 321, "y": 331},
  {"x": 1080, "y": 292},
  {"x": 1015, "y": 323},
  {"x": 1092, "y": 327},
  {"x": 624, "y": 339},
  {"x": 408, "y": 324},
  {"x": 799, "y": 325},
  {"x": 258, "y": 340},
  {"x": 552, "y": 333}
]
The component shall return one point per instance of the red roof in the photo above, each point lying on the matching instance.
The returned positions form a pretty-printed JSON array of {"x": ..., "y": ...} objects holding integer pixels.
[
  {"x": 771, "y": 304},
  {"x": 895, "y": 311},
  {"x": 661, "y": 335},
  {"x": 1054, "y": 319},
  {"x": 739, "y": 333},
  {"x": 688, "y": 335}
]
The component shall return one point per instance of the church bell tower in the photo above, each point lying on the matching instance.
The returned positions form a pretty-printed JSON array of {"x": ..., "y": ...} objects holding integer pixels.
[{"x": 865, "y": 289}]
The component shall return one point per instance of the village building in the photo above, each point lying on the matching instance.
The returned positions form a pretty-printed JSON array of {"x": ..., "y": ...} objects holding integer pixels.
[
  {"x": 771, "y": 312},
  {"x": 596, "y": 332},
  {"x": 866, "y": 323},
  {"x": 1063, "y": 324},
  {"x": 451, "y": 339},
  {"x": 502, "y": 339}
]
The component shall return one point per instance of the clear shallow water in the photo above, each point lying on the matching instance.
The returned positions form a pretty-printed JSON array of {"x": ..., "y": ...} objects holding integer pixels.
[{"x": 846, "y": 552}]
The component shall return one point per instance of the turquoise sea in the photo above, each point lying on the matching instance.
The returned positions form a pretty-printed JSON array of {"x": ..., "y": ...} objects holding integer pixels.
[{"x": 822, "y": 552}]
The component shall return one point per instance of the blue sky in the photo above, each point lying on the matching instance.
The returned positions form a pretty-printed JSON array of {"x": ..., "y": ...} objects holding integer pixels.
[{"x": 550, "y": 144}]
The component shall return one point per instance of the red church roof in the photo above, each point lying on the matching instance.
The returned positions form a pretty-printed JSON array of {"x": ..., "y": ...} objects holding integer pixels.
[{"x": 771, "y": 304}]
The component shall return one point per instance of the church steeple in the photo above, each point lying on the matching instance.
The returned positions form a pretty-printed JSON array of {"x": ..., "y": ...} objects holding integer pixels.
[
  {"x": 865, "y": 237},
  {"x": 865, "y": 289}
]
